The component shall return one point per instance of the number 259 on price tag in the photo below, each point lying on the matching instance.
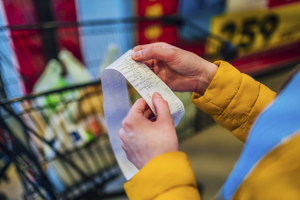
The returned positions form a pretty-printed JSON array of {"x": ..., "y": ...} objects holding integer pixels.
[{"x": 257, "y": 30}]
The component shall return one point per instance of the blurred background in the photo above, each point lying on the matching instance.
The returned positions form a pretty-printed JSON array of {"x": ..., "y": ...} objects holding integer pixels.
[{"x": 53, "y": 137}]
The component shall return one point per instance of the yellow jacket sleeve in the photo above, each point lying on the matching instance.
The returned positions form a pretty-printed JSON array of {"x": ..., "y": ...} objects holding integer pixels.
[
  {"x": 234, "y": 99},
  {"x": 166, "y": 177}
]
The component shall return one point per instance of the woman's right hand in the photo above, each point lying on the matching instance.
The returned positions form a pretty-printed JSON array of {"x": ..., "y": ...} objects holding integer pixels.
[{"x": 181, "y": 70}]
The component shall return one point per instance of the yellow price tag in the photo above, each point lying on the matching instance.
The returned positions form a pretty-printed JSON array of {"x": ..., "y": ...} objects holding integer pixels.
[{"x": 257, "y": 30}]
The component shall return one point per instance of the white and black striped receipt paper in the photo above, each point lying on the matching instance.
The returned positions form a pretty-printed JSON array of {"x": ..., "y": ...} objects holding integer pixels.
[{"x": 116, "y": 100}]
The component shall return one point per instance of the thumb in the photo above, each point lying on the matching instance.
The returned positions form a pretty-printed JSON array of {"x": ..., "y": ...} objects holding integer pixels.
[{"x": 162, "y": 107}]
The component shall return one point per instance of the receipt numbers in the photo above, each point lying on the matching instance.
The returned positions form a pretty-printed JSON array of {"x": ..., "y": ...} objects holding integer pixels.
[{"x": 146, "y": 83}]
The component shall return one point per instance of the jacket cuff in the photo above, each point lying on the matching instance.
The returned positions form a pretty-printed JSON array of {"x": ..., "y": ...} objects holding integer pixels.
[
  {"x": 162, "y": 173},
  {"x": 221, "y": 90}
]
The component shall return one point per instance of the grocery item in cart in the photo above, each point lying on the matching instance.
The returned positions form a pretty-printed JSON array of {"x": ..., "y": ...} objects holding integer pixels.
[
  {"x": 71, "y": 140},
  {"x": 76, "y": 71},
  {"x": 50, "y": 79},
  {"x": 90, "y": 101}
]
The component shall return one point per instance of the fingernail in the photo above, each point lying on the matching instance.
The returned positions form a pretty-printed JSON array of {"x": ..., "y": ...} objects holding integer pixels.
[
  {"x": 137, "y": 54},
  {"x": 157, "y": 95}
]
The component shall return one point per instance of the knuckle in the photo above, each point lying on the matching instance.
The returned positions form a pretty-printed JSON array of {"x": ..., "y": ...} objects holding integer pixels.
[
  {"x": 121, "y": 134},
  {"x": 140, "y": 100},
  {"x": 167, "y": 122},
  {"x": 123, "y": 146},
  {"x": 151, "y": 49},
  {"x": 164, "y": 102},
  {"x": 172, "y": 51},
  {"x": 157, "y": 45},
  {"x": 141, "y": 52},
  {"x": 128, "y": 157},
  {"x": 137, "y": 48},
  {"x": 126, "y": 123}
]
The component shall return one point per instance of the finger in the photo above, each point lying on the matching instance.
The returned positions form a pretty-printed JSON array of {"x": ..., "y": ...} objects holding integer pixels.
[
  {"x": 161, "y": 107},
  {"x": 135, "y": 114},
  {"x": 127, "y": 151},
  {"x": 141, "y": 47},
  {"x": 149, "y": 63},
  {"x": 155, "y": 52},
  {"x": 156, "y": 44},
  {"x": 123, "y": 134},
  {"x": 125, "y": 147},
  {"x": 138, "y": 107}
]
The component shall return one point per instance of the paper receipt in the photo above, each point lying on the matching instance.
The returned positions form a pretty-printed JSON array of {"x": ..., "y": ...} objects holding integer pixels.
[{"x": 116, "y": 102}]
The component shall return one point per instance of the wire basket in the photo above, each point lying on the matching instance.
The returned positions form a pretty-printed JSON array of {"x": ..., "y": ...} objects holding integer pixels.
[
  {"x": 4, "y": 164},
  {"x": 60, "y": 143},
  {"x": 45, "y": 152}
]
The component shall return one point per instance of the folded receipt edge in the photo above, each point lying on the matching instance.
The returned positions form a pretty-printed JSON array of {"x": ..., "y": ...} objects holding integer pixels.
[{"x": 116, "y": 102}]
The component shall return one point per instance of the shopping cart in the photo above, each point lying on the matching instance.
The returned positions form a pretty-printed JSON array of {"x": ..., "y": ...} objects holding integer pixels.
[
  {"x": 4, "y": 164},
  {"x": 57, "y": 160}
]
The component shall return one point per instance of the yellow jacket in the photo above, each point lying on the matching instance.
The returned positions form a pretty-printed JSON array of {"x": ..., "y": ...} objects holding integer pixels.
[{"x": 234, "y": 100}]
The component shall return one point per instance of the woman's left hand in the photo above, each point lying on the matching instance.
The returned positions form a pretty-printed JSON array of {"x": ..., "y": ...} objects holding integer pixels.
[{"x": 143, "y": 139}]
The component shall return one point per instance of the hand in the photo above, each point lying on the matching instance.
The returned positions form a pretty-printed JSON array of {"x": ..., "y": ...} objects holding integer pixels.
[
  {"x": 143, "y": 139},
  {"x": 181, "y": 70}
]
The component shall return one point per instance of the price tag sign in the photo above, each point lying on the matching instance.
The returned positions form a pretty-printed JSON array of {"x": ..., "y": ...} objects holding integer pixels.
[{"x": 257, "y": 30}]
